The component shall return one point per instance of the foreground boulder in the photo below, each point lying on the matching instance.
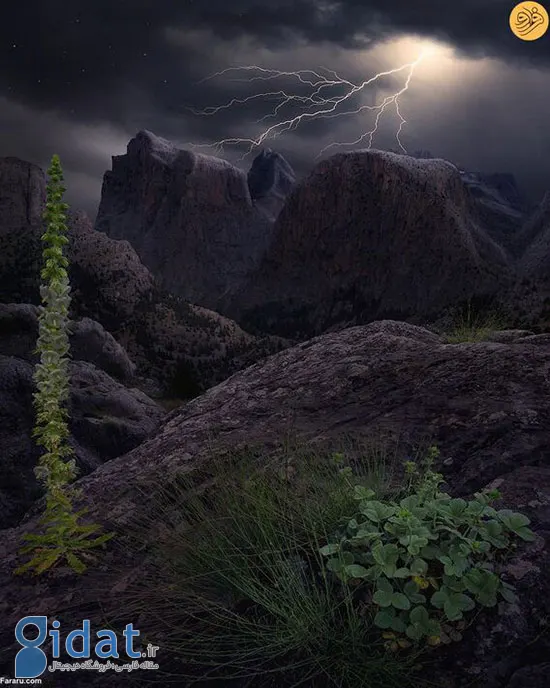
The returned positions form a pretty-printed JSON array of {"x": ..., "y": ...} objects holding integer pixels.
[{"x": 485, "y": 405}]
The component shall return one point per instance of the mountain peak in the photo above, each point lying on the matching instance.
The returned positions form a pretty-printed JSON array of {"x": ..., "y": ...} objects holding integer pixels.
[{"x": 270, "y": 180}]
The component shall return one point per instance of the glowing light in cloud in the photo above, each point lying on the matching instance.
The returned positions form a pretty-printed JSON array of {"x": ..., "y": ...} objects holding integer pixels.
[{"x": 329, "y": 96}]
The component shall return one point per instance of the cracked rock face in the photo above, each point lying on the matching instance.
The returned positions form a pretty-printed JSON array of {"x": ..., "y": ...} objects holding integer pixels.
[{"x": 485, "y": 405}]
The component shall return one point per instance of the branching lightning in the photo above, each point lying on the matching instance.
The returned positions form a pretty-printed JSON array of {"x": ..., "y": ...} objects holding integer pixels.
[{"x": 318, "y": 104}]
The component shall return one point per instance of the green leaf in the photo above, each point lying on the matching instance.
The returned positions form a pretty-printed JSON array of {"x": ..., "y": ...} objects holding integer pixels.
[
  {"x": 508, "y": 595},
  {"x": 382, "y": 598},
  {"x": 398, "y": 625},
  {"x": 385, "y": 554},
  {"x": 46, "y": 561},
  {"x": 517, "y": 523},
  {"x": 413, "y": 543},
  {"x": 430, "y": 552},
  {"x": 364, "y": 535},
  {"x": 410, "y": 502},
  {"x": 456, "y": 507},
  {"x": 493, "y": 532},
  {"x": 75, "y": 563},
  {"x": 335, "y": 565},
  {"x": 410, "y": 588},
  {"x": 484, "y": 585},
  {"x": 376, "y": 511},
  {"x": 418, "y": 567},
  {"x": 384, "y": 618},
  {"x": 96, "y": 542},
  {"x": 457, "y": 603},
  {"x": 419, "y": 615},
  {"x": 356, "y": 571},
  {"x": 438, "y": 599},
  {"x": 329, "y": 549},
  {"x": 352, "y": 524},
  {"x": 360, "y": 492},
  {"x": 400, "y": 601},
  {"x": 414, "y": 632},
  {"x": 385, "y": 585}
]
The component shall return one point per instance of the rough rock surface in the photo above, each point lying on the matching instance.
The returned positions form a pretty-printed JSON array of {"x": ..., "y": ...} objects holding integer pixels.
[
  {"x": 23, "y": 193},
  {"x": 270, "y": 180},
  {"x": 189, "y": 216},
  {"x": 371, "y": 234},
  {"x": 88, "y": 341},
  {"x": 499, "y": 205},
  {"x": 529, "y": 296},
  {"x": 534, "y": 239},
  {"x": 107, "y": 418},
  {"x": 108, "y": 280},
  {"x": 485, "y": 405}
]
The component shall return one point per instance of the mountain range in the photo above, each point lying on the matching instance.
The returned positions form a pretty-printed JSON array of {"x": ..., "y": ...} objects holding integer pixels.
[{"x": 365, "y": 235}]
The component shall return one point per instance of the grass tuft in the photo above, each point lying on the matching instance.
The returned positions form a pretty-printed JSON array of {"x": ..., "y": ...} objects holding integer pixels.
[
  {"x": 239, "y": 594},
  {"x": 469, "y": 326}
]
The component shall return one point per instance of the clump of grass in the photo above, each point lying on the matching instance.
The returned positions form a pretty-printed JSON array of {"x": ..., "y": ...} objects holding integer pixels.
[
  {"x": 240, "y": 594},
  {"x": 470, "y": 325}
]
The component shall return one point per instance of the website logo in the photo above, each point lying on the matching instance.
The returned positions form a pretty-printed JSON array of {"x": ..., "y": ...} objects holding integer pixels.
[
  {"x": 31, "y": 660},
  {"x": 529, "y": 21}
]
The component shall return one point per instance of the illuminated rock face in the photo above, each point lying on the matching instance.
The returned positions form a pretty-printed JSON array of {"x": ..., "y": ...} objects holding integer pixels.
[
  {"x": 372, "y": 234},
  {"x": 190, "y": 217}
]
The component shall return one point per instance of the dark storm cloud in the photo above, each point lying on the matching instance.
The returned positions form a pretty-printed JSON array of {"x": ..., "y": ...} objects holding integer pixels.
[
  {"x": 80, "y": 78},
  {"x": 81, "y": 54}
]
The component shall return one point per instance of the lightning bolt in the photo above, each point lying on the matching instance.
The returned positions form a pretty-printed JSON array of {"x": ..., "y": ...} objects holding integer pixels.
[{"x": 318, "y": 104}]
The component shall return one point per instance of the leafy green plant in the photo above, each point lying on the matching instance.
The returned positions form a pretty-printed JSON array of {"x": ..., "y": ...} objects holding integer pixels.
[
  {"x": 64, "y": 538},
  {"x": 238, "y": 586},
  {"x": 428, "y": 558}
]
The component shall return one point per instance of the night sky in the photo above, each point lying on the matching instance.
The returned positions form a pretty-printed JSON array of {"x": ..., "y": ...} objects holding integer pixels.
[{"x": 81, "y": 78}]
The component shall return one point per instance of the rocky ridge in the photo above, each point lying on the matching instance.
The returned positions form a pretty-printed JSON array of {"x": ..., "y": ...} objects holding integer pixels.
[{"x": 191, "y": 217}]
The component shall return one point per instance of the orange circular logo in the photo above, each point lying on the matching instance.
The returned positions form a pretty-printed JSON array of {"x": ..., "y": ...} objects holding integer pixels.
[{"x": 529, "y": 21}]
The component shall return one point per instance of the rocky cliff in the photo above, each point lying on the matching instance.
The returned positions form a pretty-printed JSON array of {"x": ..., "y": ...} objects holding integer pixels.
[
  {"x": 270, "y": 180},
  {"x": 181, "y": 348},
  {"x": 371, "y": 234},
  {"x": 499, "y": 204},
  {"x": 190, "y": 217},
  {"x": 534, "y": 243}
]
